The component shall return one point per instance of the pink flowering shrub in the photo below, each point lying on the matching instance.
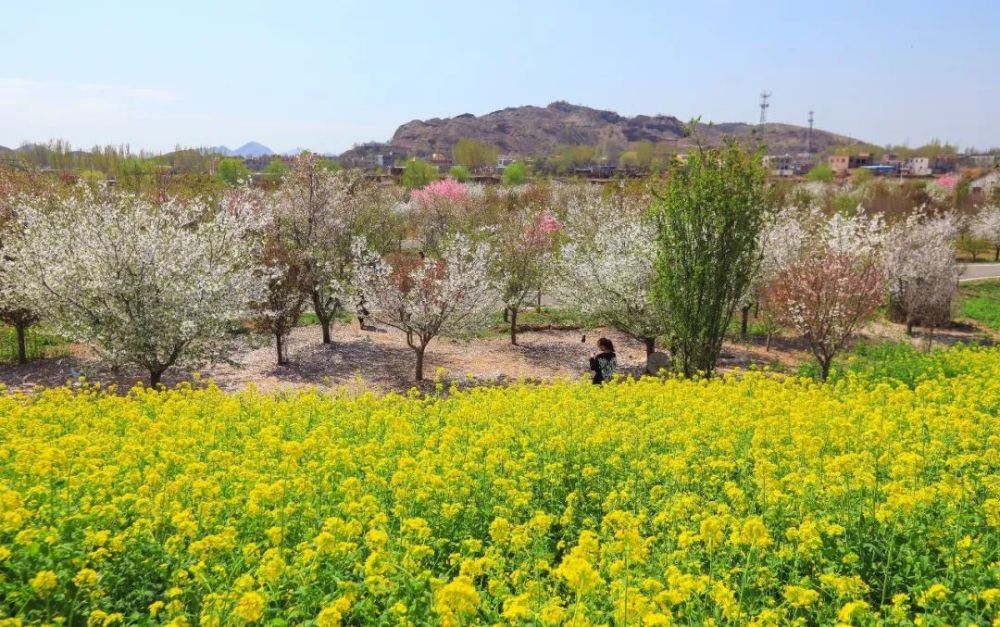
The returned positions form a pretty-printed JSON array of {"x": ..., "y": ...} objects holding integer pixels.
[
  {"x": 446, "y": 189},
  {"x": 539, "y": 232},
  {"x": 549, "y": 223},
  {"x": 948, "y": 181}
]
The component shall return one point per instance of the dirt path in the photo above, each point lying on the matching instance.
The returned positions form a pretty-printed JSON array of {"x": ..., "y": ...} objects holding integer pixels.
[{"x": 377, "y": 360}]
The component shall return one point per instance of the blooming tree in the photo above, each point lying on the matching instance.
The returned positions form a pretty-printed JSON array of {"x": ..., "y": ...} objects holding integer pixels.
[
  {"x": 986, "y": 226},
  {"x": 607, "y": 265},
  {"x": 781, "y": 241},
  {"x": 921, "y": 272},
  {"x": 14, "y": 308},
  {"x": 523, "y": 244},
  {"x": 439, "y": 210},
  {"x": 318, "y": 213},
  {"x": 445, "y": 190},
  {"x": 282, "y": 301},
  {"x": 143, "y": 284},
  {"x": 835, "y": 284},
  {"x": 427, "y": 297}
]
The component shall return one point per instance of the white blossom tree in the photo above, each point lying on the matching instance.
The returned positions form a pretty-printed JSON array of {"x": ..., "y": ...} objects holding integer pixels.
[
  {"x": 986, "y": 226},
  {"x": 607, "y": 265},
  {"x": 15, "y": 309},
  {"x": 319, "y": 213},
  {"x": 836, "y": 283},
  {"x": 425, "y": 297},
  {"x": 144, "y": 284},
  {"x": 921, "y": 271}
]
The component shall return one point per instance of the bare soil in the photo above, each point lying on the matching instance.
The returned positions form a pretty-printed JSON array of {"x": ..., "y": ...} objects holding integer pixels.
[{"x": 381, "y": 361}]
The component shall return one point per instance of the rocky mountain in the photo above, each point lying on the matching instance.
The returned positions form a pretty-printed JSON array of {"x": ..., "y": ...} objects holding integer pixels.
[{"x": 533, "y": 131}]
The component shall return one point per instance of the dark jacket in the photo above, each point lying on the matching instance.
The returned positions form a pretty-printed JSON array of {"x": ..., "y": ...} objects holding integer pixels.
[{"x": 604, "y": 365}]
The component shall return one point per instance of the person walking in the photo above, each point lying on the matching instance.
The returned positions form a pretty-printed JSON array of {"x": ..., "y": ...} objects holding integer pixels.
[{"x": 604, "y": 363}]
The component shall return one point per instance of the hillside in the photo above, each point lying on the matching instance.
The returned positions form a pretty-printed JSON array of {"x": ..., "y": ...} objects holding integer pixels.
[{"x": 530, "y": 131}]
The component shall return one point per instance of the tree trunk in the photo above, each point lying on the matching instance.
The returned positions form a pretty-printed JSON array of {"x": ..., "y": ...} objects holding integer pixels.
[
  {"x": 767, "y": 343},
  {"x": 744, "y": 321},
  {"x": 420, "y": 363},
  {"x": 513, "y": 326},
  {"x": 22, "y": 345},
  {"x": 538, "y": 306},
  {"x": 650, "y": 345},
  {"x": 824, "y": 368},
  {"x": 930, "y": 338},
  {"x": 154, "y": 378},
  {"x": 996, "y": 255},
  {"x": 909, "y": 327},
  {"x": 506, "y": 314},
  {"x": 279, "y": 347},
  {"x": 324, "y": 317}
]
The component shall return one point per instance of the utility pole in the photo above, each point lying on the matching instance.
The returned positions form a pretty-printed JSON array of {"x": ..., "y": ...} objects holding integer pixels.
[{"x": 809, "y": 137}]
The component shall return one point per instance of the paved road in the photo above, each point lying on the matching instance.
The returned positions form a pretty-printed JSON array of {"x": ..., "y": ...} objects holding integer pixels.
[{"x": 973, "y": 272}]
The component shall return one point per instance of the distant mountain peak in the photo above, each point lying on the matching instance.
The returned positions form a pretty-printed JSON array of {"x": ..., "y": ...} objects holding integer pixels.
[
  {"x": 252, "y": 149},
  {"x": 249, "y": 149}
]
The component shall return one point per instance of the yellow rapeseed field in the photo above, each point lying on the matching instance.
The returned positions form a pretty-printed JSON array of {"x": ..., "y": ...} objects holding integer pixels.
[{"x": 751, "y": 499}]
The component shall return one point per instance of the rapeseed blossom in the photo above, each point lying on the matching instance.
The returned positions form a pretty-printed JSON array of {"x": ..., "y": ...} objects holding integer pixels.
[{"x": 750, "y": 499}]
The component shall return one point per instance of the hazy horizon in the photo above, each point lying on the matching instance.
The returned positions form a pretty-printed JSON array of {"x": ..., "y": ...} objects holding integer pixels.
[{"x": 324, "y": 76}]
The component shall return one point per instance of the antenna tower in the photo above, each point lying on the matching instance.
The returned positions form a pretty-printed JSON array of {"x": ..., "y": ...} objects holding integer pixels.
[
  {"x": 809, "y": 137},
  {"x": 764, "y": 104}
]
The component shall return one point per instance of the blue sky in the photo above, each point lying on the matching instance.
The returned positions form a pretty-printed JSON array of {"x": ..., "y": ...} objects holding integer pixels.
[{"x": 324, "y": 75}]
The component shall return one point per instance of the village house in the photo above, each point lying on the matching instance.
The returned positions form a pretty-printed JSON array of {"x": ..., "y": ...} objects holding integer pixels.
[
  {"x": 917, "y": 166},
  {"x": 779, "y": 165},
  {"x": 860, "y": 160},
  {"x": 982, "y": 188},
  {"x": 839, "y": 163},
  {"x": 442, "y": 161}
]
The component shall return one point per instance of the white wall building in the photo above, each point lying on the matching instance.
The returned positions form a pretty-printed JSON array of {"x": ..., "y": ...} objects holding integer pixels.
[{"x": 917, "y": 166}]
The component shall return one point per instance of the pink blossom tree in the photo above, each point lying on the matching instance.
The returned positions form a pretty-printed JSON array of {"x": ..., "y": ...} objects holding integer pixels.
[
  {"x": 524, "y": 244},
  {"x": 834, "y": 285},
  {"x": 438, "y": 210}
]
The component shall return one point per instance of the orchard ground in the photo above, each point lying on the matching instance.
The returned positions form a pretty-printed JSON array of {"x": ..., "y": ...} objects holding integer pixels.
[{"x": 549, "y": 348}]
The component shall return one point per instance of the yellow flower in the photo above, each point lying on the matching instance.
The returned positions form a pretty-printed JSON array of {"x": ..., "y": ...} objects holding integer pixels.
[
  {"x": 851, "y": 611},
  {"x": 250, "y": 607},
  {"x": 936, "y": 592},
  {"x": 44, "y": 582},
  {"x": 797, "y": 596},
  {"x": 576, "y": 568},
  {"x": 457, "y": 597},
  {"x": 275, "y": 535},
  {"x": 85, "y": 578},
  {"x": 333, "y": 614},
  {"x": 753, "y": 533}
]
